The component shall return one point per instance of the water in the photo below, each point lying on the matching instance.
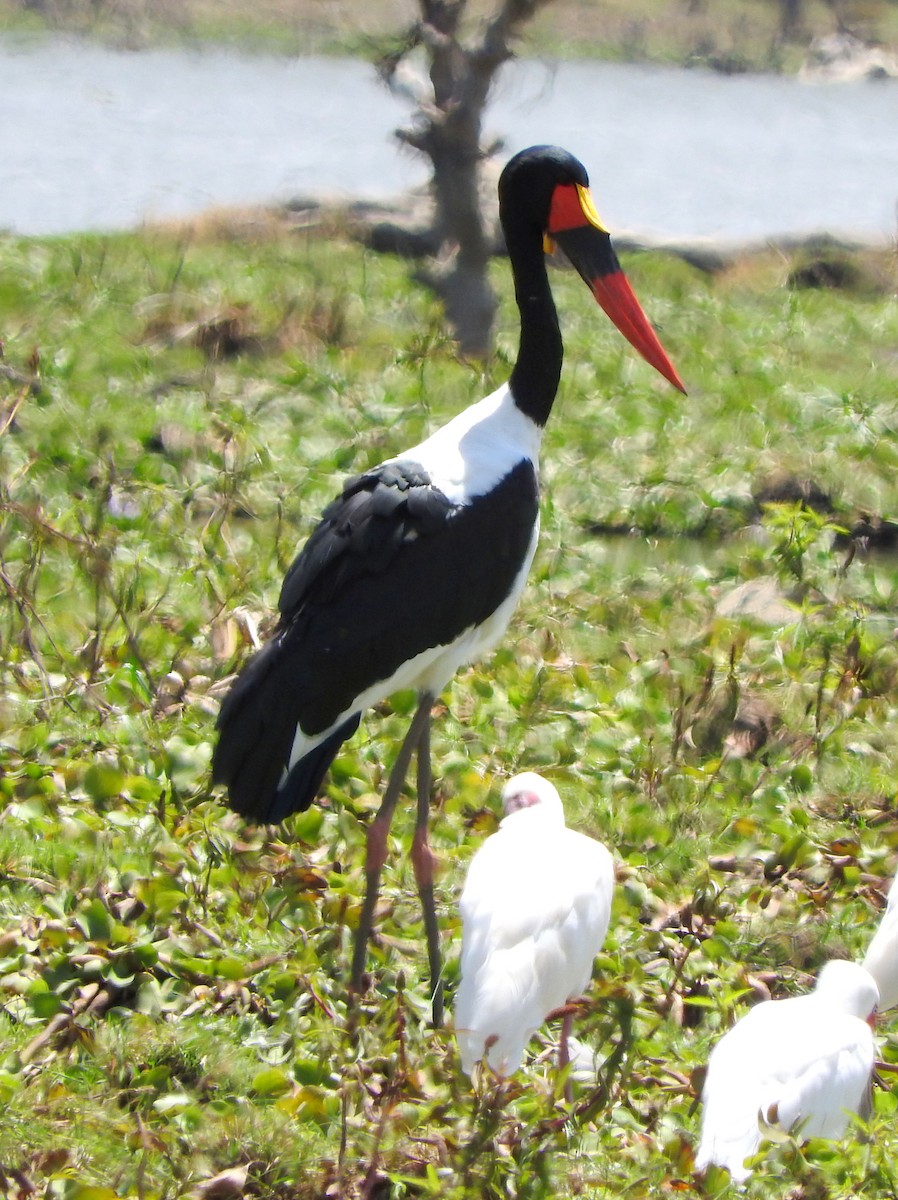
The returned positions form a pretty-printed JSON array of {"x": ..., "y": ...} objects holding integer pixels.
[{"x": 101, "y": 139}]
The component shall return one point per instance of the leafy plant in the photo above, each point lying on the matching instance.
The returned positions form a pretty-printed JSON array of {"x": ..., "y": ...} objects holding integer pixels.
[{"x": 173, "y": 1001}]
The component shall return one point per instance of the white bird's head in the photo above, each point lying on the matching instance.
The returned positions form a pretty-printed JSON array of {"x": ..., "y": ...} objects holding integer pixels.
[
  {"x": 530, "y": 791},
  {"x": 847, "y": 986}
]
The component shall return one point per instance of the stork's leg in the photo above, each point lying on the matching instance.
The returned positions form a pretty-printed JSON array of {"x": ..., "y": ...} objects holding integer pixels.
[
  {"x": 377, "y": 837},
  {"x": 423, "y": 862}
]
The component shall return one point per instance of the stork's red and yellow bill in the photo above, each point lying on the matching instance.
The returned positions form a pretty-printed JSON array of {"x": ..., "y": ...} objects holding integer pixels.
[{"x": 575, "y": 226}]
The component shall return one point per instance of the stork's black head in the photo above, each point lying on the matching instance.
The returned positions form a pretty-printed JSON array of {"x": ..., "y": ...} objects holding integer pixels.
[
  {"x": 528, "y": 181},
  {"x": 544, "y": 200}
]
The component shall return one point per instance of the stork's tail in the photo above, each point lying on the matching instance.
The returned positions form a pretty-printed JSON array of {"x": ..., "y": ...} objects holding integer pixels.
[{"x": 256, "y": 730}]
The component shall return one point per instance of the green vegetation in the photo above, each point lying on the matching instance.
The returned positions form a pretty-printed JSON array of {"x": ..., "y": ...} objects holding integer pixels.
[
  {"x": 176, "y": 407},
  {"x": 732, "y": 35}
]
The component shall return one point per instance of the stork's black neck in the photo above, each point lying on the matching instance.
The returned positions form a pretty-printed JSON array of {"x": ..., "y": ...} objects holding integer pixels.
[{"x": 534, "y": 379}]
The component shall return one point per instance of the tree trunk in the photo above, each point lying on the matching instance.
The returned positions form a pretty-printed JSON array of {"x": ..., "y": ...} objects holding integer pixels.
[{"x": 448, "y": 129}]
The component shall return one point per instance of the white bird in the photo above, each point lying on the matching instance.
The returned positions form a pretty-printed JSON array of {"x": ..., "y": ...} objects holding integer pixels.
[
  {"x": 417, "y": 567},
  {"x": 801, "y": 1065},
  {"x": 535, "y": 909},
  {"x": 881, "y": 959}
]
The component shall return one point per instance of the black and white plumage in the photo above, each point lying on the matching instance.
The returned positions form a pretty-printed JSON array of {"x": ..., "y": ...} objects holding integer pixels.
[
  {"x": 353, "y": 599},
  {"x": 803, "y": 1064},
  {"x": 535, "y": 909},
  {"x": 417, "y": 567}
]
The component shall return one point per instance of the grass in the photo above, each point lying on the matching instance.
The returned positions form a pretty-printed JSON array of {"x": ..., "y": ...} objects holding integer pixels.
[
  {"x": 178, "y": 406},
  {"x": 732, "y": 35}
]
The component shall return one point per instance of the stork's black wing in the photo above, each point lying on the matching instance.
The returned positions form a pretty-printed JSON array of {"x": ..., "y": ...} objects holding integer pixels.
[
  {"x": 393, "y": 569},
  {"x": 361, "y": 532}
]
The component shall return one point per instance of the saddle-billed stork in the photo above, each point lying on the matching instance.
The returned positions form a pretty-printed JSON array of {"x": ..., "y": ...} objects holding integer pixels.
[
  {"x": 801, "y": 1066},
  {"x": 417, "y": 566},
  {"x": 535, "y": 909}
]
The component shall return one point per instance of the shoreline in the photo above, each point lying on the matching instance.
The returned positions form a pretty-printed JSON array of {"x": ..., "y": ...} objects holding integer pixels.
[{"x": 403, "y": 226}]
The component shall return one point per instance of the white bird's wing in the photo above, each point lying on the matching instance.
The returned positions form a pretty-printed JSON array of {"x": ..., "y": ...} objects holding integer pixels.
[
  {"x": 819, "y": 1099},
  {"x": 881, "y": 959},
  {"x": 786, "y": 1065},
  {"x": 535, "y": 913}
]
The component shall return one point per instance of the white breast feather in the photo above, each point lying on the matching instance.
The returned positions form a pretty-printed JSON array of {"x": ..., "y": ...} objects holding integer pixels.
[{"x": 475, "y": 450}]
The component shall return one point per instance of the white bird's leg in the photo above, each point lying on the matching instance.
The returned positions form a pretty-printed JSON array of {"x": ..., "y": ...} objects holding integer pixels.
[
  {"x": 423, "y": 861},
  {"x": 564, "y": 1058},
  {"x": 378, "y": 830}
]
